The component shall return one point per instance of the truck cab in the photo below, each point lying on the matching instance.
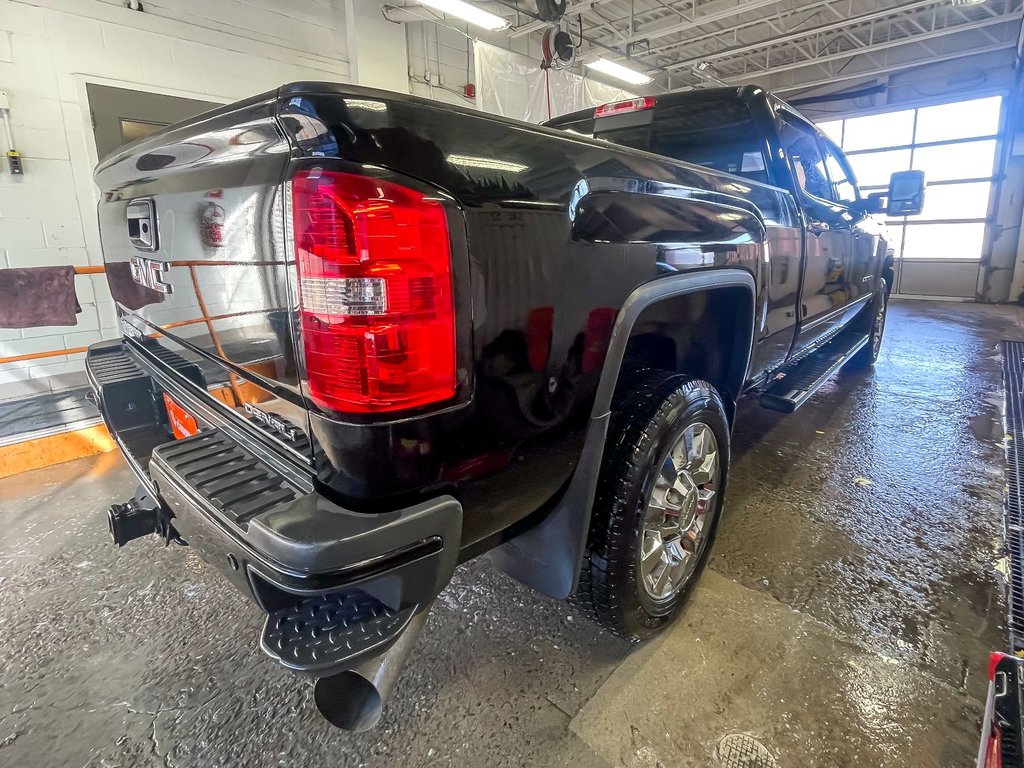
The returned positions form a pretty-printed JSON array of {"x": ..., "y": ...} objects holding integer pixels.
[{"x": 823, "y": 271}]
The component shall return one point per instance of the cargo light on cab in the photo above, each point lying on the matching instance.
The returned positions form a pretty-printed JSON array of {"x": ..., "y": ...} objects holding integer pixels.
[{"x": 629, "y": 105}]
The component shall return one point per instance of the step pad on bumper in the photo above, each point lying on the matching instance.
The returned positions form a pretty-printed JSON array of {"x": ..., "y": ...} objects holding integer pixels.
[
  {"x": 234, "y": 481},
  {"x": 333, "y": 631}
]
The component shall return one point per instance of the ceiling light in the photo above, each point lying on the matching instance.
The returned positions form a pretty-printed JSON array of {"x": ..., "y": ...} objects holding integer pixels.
[
  {"x": 487, "y": 163},
  {"x": 619, "y": 72},
  {"x": 468, "y": 12}
]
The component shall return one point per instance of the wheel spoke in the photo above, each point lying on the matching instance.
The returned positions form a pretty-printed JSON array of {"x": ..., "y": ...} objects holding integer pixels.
[
  {"x": 664, "y": 579},
  {"x": 653, "y": 552},
  {"x": 698, "y": 447},
  {"x": 669, "y": 528},
  {"x": 668, "y": 472}
]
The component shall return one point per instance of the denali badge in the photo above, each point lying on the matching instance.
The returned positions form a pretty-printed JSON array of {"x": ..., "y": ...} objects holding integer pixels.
[
  {"x": 149, "y": 274},
  {"x": 130, "y": 330},
  {"x": 271, "y": 421}
]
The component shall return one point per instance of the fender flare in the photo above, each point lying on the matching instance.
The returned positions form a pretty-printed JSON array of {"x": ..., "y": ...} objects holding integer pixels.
[{"x": 548, "y": 556}]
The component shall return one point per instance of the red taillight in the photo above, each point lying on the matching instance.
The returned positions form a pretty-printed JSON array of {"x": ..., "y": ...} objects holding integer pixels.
[
  {"x": 630, "y": 105},
  {"x": 375, "y": 293}
]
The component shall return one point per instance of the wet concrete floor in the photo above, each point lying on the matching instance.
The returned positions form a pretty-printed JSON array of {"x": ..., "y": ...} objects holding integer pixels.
[{"x": 845, "y": 619}]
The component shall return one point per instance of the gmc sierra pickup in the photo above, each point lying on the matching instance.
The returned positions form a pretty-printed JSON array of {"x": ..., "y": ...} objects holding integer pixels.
[{"x": 367, "y": 337}]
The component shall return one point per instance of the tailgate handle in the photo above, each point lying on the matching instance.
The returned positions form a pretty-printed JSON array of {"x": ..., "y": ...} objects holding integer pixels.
[{"x": 142, "y": 224}]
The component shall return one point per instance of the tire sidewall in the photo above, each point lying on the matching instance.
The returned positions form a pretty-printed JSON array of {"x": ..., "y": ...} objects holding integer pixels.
[{"x": 642, "y": 616}]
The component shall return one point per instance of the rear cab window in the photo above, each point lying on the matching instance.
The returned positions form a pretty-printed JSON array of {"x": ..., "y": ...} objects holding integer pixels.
[{"x": 716, "y": 133}]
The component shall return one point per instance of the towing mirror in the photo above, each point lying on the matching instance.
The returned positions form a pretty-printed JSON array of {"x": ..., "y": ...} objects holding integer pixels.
[{"x": 906, "y": 193}]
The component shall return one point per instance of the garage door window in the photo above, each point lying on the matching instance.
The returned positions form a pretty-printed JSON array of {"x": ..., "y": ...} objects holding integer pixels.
[{"x": 955, "y": 145}]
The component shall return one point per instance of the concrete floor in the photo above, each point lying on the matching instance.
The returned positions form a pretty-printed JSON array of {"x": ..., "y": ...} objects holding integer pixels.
[{"x": 845, "y": 619}]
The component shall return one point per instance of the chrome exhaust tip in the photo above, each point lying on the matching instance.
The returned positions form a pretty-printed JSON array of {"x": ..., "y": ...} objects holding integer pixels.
[{"x": 354, "y": 700}]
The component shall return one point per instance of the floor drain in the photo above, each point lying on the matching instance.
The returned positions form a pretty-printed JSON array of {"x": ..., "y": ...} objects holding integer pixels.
[{"x": 737, "y": 750}]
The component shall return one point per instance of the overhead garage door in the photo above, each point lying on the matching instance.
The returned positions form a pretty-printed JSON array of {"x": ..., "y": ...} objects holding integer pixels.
[{"x": 955, "y": 144}]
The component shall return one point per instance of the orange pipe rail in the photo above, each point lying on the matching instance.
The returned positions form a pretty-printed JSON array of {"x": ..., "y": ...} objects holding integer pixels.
[
  {"x": 191, "y": 264},
  {"x": 166, "y": 326}
]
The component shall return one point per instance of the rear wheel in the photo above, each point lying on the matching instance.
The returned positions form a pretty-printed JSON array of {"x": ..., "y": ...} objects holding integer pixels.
[
  {"x": 658, "y": 502},
  {"x": 875, "y": 322}
]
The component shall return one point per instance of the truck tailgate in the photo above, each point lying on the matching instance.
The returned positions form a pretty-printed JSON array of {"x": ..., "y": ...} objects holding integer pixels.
[{"x": 192, "y": 226}]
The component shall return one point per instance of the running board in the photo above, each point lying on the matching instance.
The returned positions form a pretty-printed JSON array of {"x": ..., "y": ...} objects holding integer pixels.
[{"x": 793, "y": 385}]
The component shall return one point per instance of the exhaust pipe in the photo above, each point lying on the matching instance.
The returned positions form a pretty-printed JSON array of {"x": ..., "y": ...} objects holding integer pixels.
[{"x": 354, "y": 699}]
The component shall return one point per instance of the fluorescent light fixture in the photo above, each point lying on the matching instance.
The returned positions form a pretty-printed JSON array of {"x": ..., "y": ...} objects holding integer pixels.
[
  {"x": 619, "y": 72},
  {"x": 487, "y": 163},
  {"x": 468, "y": 12}
]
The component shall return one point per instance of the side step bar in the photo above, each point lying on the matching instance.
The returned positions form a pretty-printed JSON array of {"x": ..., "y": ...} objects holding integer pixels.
[{"x": 793, "y": 385}]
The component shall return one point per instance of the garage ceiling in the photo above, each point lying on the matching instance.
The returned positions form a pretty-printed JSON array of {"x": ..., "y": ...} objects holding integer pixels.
[{"x": 785, "y": 45}]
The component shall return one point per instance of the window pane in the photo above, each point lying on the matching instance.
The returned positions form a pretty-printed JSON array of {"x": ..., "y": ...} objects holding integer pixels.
[
  {"x": 132, "y": 130},
  {"x": 960, "y": 120},
  {"x": 874, "y": 168},
  {"x": 801, "y": 146},
  {"x": 716, "y": 133},
  {"x": 944, "y": 241},
  {"x": 972, "y": 160},
  {"x": 890, "y": 129},
  {"x": 833, "y": 129},
  {"x": 843, "y": 187},
  {"x": 956, "y": 201}
]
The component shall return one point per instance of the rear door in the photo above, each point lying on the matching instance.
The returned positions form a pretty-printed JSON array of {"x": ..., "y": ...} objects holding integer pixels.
[{"x": 829, "y": 279}]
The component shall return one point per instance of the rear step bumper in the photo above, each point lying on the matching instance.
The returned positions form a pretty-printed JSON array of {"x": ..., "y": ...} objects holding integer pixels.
[{"x": 339, "y": 586}]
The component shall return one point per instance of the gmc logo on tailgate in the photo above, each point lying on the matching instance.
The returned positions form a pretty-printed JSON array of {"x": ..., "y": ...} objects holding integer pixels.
[{"x": 149, "y": 273}]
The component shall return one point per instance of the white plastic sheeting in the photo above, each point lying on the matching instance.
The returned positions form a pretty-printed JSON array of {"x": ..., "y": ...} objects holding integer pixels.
[{"x": 514, "y": 85}]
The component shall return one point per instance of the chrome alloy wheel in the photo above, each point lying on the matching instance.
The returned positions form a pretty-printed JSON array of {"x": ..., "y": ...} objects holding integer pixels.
[{"x": 677, "y": 518}]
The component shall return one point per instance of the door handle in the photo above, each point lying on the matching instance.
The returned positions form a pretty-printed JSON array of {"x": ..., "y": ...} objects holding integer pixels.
[{"x": 817, "y": 228}]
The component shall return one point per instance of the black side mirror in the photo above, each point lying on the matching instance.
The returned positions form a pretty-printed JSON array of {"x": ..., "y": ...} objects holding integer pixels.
[{"x": 906, "y": 193}]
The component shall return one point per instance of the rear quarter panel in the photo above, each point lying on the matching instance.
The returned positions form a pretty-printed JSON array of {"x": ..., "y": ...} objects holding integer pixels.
[{"x": 558, "y": 232}]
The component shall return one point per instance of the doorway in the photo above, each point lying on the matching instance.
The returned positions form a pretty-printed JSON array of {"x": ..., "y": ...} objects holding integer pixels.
[{"x": 121, "y": 115}]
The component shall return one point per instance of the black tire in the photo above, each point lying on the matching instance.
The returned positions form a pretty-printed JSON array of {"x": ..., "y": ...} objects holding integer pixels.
[
  {"x": 653, "y": 414},
  {"x": 873, "y": 324}
]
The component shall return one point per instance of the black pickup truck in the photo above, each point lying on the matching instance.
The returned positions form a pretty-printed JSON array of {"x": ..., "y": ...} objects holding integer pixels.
[{"x": 367, "y": 337}]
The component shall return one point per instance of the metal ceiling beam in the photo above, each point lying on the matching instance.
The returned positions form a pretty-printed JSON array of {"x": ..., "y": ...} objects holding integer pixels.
[
  {"x": 848, "y": 54},
  {"x": 884, "y": 70},
  {"x": 771, "y": 21},
  {"x": 721, "y": 10},
  {"x": 799, "y": 34}
]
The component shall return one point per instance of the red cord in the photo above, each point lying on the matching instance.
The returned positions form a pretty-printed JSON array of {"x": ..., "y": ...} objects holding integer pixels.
[{"x": 547, "y": 88}]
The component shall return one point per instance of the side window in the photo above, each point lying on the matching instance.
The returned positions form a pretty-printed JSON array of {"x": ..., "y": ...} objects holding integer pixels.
[
  {"x": 806, "y": 158},
  {"x": 842, "y": 182}
]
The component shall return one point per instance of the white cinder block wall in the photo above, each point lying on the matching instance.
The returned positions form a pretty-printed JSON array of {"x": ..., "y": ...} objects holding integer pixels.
[{"x": 215, "y": 50}]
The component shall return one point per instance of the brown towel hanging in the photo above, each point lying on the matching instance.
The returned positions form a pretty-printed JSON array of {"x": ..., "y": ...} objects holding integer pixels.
[
  {"x": 31, "y": 297},
  {"x": 126, "y": 291}
]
